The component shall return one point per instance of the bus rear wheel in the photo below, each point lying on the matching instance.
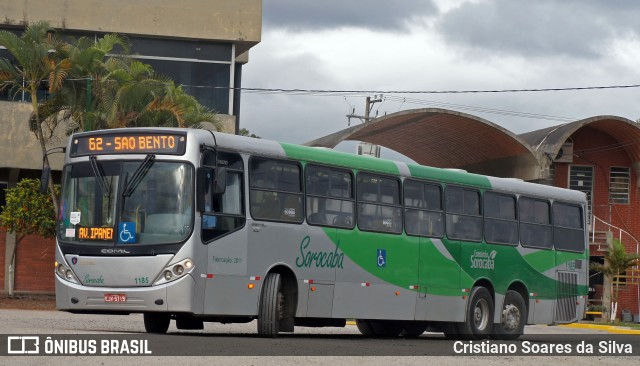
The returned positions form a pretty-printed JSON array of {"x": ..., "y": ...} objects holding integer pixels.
[
  {"x": 479, "y": 319},
  {"x": 271, "y": 306},
  {"x": 157, "y": 323},
  {"x": 513, "y": 317}
]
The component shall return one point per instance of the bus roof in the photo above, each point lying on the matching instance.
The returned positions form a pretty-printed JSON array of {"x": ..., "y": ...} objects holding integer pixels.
[{"x": 275, "y": 149}]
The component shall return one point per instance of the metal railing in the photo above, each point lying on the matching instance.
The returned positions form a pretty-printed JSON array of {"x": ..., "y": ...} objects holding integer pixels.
[
  {"x": 621, "y": 234},
  {"x": 609, "y": 227}
]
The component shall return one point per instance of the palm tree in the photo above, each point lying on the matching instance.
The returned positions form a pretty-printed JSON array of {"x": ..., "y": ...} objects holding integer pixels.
[
  {"x": 76, "y": 99},
  {"x": 616, "y": 262},
  {"x": 38, "y": 62},
  {"x": 133, "y": 95}
]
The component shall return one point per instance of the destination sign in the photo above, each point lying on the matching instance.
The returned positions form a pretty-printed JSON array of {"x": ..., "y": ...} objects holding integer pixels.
[
  {"x": 95, "y": 233},
  {"x": 132, "y": 143}
]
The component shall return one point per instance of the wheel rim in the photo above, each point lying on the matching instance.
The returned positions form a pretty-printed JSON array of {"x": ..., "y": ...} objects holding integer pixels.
[
  {"x": 510, "y": 318},
  {"x": 481, "y": 314}
]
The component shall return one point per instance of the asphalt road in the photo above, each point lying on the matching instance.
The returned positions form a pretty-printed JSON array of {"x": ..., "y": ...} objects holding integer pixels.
[{"x": 238, "y": 344}]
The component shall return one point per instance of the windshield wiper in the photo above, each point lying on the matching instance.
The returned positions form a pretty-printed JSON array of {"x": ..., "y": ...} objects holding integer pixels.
[
  {"x": 99, "y": 174},
  {"x": 138, "y": 175}
]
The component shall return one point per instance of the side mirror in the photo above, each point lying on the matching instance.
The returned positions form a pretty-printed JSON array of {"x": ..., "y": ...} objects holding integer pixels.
[
  {"x": 203, "y": 183},
  {"x": 220, "y": 181},
  {"x": 44, "y": 180}
]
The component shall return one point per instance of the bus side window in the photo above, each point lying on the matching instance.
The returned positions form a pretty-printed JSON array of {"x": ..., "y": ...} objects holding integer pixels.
[
  {"x": 464, "y": 219},
  {"x": 535, "y": 224},
  {"x": 423, "y": 214},
  {"x": 330, "y": 200},
  {"x": 276, "y": 190}
]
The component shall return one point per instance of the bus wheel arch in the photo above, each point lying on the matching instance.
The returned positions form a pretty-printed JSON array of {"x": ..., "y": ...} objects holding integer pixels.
[{"x": 279, "y": 295}]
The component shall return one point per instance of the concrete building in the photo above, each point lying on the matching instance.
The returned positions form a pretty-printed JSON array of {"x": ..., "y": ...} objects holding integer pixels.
[{"x": 200, "y": 44}]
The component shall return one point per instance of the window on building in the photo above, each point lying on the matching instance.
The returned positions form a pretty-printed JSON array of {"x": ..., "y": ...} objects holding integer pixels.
[
  {"x": 423, "y": 214},
  {"x": 568, "y": 228},
  {"x": 581, "y": 179},
  {"x": 500, "y": 224},
  {"x": 464, "y": 220},
  {"x": 330, "y": 200},
  {"x": 276, "y": 190},
  {"x": 535, "y": 223},
  {"x": 619, "y": 182},
  {"x": 379, "y": 203}
]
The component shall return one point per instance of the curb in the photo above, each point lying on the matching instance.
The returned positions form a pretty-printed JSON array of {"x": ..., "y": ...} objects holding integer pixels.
[{"x": 609, "y": 328}]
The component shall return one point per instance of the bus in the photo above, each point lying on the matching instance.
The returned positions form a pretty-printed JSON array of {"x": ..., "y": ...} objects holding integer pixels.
[{"x": 199, "y": 226}]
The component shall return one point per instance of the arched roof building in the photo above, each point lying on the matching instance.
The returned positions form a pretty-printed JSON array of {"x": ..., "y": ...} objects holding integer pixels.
[{"x": 446, "y": 139}]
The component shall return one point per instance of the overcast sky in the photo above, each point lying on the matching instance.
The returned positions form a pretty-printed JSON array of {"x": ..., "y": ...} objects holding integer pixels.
[{"x": 441, "y": 45}]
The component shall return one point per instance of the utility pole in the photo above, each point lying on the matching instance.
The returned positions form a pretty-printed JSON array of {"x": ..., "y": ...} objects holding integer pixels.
[{"x": 366, "y": 148}]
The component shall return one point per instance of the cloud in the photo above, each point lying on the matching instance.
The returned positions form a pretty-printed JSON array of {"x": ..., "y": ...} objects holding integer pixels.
[
  {"x": 306, "y": 15},
  {"x": 577, "y": 29}
]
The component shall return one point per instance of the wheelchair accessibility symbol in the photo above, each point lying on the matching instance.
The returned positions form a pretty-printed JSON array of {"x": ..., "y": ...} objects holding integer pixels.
[
  {"x": 127, "y": 232},
  {"x": 382, "y": 257}
]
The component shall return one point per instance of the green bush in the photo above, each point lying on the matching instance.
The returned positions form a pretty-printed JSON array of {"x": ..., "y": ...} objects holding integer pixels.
[{"x": 28, "y": 212}]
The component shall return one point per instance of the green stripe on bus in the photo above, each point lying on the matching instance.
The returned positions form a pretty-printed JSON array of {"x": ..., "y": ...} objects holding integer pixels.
[
  {"x": 337, "y": 158},
  {"x": 443, "y": 276}
]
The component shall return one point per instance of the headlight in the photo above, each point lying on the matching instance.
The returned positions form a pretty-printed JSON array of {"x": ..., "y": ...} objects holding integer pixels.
[
  {"x": 64, "y": 272},
  {"x": 175, "y": 271}
]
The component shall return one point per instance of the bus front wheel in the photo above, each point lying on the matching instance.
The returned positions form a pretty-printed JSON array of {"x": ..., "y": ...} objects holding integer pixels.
[
  {"x": 513, "y": 317},
  {"x": 479, "y": 323},
  {"x": 270, "y": 312},
  {"x": 157, "y": 323}
]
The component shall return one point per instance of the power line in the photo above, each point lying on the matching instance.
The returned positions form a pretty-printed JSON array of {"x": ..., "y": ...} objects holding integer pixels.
[
  {"x": 340, "y": 92},
  {"x": 347, "y": 91},
  {"x": 478, "y": 109}
]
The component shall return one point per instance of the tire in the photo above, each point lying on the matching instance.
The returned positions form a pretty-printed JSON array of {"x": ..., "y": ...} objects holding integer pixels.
[
  {"x": 386, "y": 329},
  {"x": 157, "y": 323},
  {"x": 364, "y": 326},
  {"x": 413, "y": 330},
  {"x": 378, "y": 328},
  {"x": 479, "y": 319},
  {"x": 451, "y": 331},
  {"x": 513, "y": 317},
  {"x": 270, "y": 312}
]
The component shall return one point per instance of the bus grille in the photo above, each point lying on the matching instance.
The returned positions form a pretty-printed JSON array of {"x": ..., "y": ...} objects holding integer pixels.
[{"x": 567, "y": 297}]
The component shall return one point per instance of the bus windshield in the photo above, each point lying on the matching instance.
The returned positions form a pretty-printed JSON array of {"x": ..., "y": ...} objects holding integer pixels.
[{"x": 156, "y": 209}]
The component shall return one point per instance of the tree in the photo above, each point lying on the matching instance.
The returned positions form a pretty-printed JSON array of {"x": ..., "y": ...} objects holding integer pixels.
[
  {"x": 28, "y": 212},
  {"x": 38, "y": 61},
  {"x": 117, "y": 91},
  {"x": 616, "y": 262},
  {"x": 76, "y": 99},
  {"x": 245, "y": 132}
]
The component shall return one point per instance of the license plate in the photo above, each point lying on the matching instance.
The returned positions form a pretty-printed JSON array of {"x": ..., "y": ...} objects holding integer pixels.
[{"x": 115, "y": 298}]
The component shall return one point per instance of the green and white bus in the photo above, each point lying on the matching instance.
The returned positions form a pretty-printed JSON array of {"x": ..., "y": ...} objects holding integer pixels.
[{"x": 200, "y": 226}]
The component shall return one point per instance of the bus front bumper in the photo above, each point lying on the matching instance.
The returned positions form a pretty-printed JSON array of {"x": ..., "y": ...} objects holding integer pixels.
[{"x": 176, "y": 296}]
